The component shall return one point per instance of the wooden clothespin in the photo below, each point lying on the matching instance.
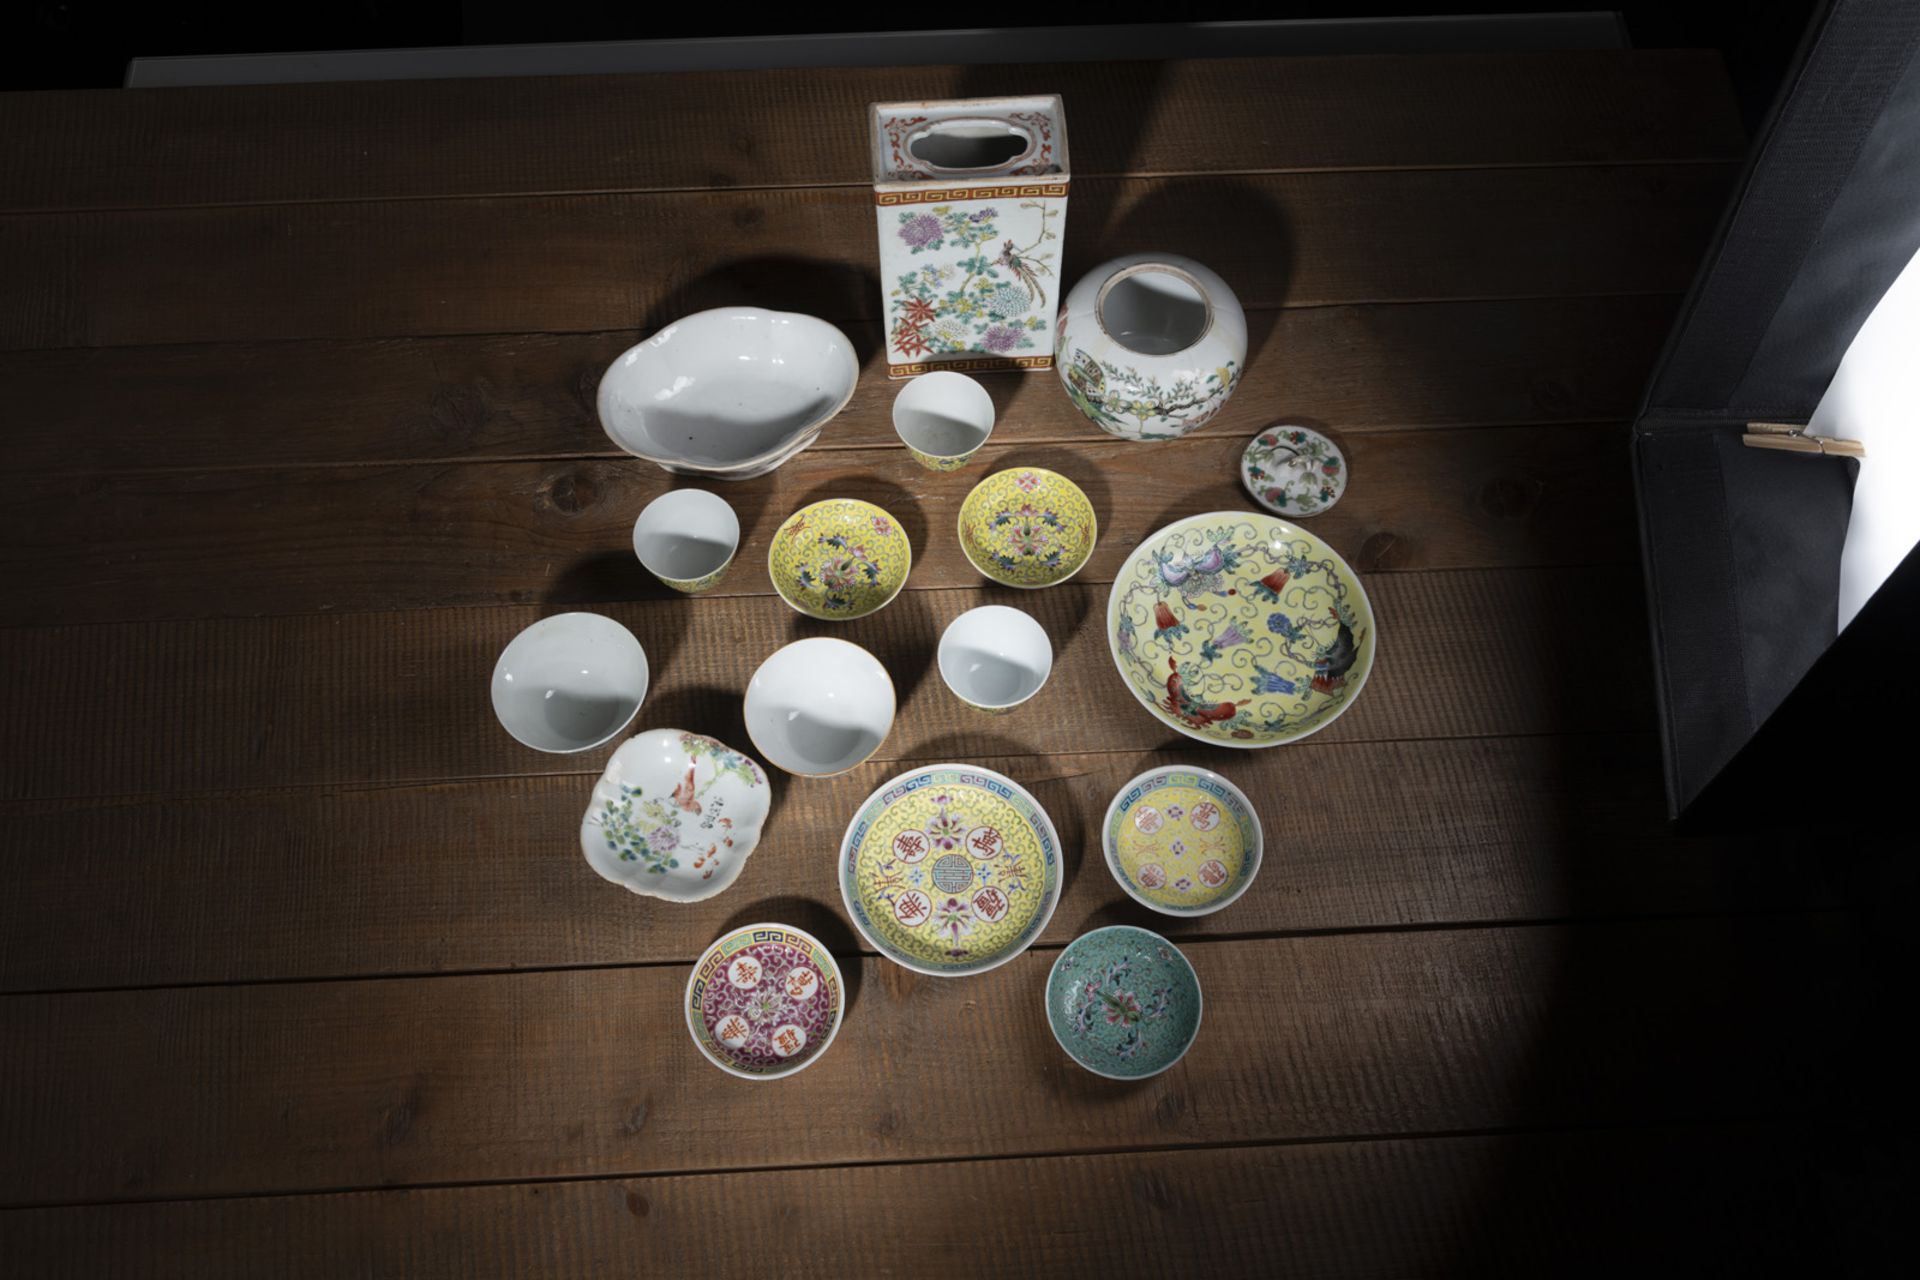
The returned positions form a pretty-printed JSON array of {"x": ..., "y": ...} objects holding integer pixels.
[{"x": 1793, "y": 438}]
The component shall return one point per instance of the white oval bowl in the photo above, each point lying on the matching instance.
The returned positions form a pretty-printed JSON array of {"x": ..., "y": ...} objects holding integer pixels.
[
  {"x": 729, "y": 393},
  {"x": 819, "y": 707}
]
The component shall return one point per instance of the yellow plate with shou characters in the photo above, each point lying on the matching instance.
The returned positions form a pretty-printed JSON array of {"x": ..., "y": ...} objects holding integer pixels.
[
  {"x": 1028, "y": 527},
  {"x": 1182, "y": 840},
  {"x": 839, "y": 559},
  {"x": 950, "y": 869},
  {"x": 1240, "y": 629}
]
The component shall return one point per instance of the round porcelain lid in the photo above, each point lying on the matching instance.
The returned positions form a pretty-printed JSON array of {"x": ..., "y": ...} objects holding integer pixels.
[{"x": 1293, "y": 471}]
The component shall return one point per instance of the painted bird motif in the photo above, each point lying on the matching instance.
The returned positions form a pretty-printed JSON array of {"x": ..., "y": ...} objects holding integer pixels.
[
  {"x": 1027, "y": 270},
  {"x": 1086, "y": 387},
  {"x": 683, "y": 795}
]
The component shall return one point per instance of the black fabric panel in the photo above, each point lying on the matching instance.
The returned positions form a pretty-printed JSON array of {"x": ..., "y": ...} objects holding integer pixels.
[
  {"x": 1871, "y": 232},
  {"x": 1843, "y": 727},
  {"x": 1704, "y": 708},
  {"x": 1742, "y": 552},
  {"x": 1734, "y": 325},
  {"x": 1786, "y": 524}
]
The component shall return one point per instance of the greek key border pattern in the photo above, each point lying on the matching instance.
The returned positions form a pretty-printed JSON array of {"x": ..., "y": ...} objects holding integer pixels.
[
  {"x": 952, "y": 195},
  {"x": 979, "y": 364}
]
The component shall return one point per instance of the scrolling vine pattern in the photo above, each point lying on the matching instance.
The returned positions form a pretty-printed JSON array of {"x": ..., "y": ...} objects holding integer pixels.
[{"x": 1238, "y": 630}]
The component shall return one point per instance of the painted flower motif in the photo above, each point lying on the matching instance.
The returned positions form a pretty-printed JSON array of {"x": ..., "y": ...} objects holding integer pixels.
[
  {"x": 919, "y": 311},
  {"x": 1122, "y": 1006},
  {"x": 1008, "y": 301},
  {"x": 950, "y": 334},
  {"x": 1281, "y": 625},
  {"x": 766, "y": 1003},
  {"x": 881, "y": 526},
  {"x": 910, "y": 341},
  {"x": 1179, "y": 847},
  {"x": 1175, "y": 812},
  {"x": 664, "y": 839},
  {"x": 955, "y": 919},
  {"x": 920, "y": 230},
  {"x": 946, "y": 829},
  {"x": 1001, "y": 338},
  {"x": 1183, "y": 885},
  {"x": 1028, "y": 537},
  {"x": 840, "y": 574},
  {"x": 987, "y": 214}
]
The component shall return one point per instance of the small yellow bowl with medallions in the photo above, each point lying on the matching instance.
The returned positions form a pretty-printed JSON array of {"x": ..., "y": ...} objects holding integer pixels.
[
  {"x": 1028, "y": 527},
  {"x": 1182, "y": 840},
  {"x": 839, "y": 559}
]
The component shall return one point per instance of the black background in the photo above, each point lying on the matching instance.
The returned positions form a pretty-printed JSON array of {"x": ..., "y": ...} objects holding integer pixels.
[{"x": 70, "y": 44}]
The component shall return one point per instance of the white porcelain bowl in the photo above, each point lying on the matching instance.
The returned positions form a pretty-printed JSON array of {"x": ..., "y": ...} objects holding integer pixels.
[
  {"x": 995, "y": 657},
  {"x": 943, "y": 418},
  {"x": 819, "y": 706},
  {"x": 675, "y": 815},
  {"x": 686, "y": 538},
  {"x": 729, "y": 393},
  {"x": 570, "y": 682}
]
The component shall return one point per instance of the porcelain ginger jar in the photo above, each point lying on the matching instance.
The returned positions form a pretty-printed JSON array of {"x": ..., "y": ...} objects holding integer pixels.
[
  {"x": 1151, "y": 345},
  {"x": 675, "y": 815}
]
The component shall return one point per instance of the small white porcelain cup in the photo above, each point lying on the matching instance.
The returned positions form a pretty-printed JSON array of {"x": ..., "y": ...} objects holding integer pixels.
[
  {"x": 686, "y": 538},
  {"x": 569, "y": 683},
  {"x": 943, "y": 418},
  {"x": 995, "y": 657}
]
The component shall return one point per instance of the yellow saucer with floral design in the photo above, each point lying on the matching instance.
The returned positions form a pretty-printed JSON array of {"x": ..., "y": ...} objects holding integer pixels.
[
  {"x": 839, "y": 559},
  {"x": 1182, "y": 840},
  {"x": 1027, "y": 527},
  {"x": 950, "y": 869}
]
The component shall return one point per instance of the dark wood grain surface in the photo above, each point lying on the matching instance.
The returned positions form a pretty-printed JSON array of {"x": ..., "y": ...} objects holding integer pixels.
[{"x": 301, "y": 972}]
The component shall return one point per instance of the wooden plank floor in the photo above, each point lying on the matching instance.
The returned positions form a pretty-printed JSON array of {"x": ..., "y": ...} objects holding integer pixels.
[{"x": 301, "y": 972}]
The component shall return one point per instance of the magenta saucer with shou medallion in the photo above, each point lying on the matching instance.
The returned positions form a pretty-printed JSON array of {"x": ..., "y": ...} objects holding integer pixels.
[{"x": 764, "y": 1001}]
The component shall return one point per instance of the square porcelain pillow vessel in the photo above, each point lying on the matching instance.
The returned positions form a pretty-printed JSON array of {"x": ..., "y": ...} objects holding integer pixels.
[{"x": 970, "y": 198}]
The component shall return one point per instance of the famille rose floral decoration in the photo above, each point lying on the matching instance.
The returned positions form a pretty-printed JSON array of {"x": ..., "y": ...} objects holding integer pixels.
[
  {"x": 675, "y": 815},
  {"x": 839, "y": 559},
  {"x": 950, "y": 870},
  {"x": 764, "y": 1001},
  {"x": 971, "y": 198},
  {"x": 1123, "y": 1002},
  {"x": 1240, "y": 629},
  {"x": 991, "y": 299},
  {"x": 1293, "y": 471},
  {"x": 1028, "y": 527},
  {"x": 1151, "y": 346}
]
